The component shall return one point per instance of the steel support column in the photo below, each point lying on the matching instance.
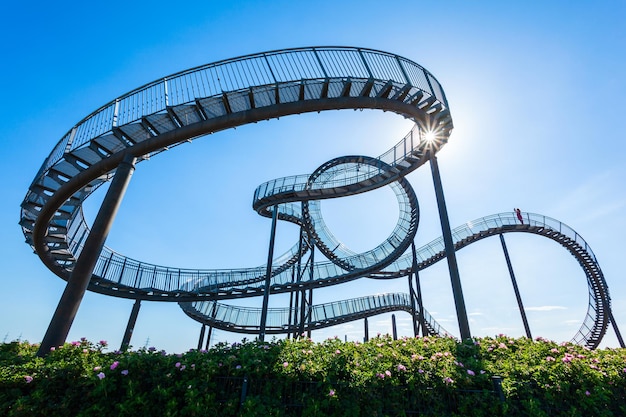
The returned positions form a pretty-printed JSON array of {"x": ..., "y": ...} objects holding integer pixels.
[
  {"x": 78, "y": 282},
  {"x": 394, "y": 329},
  {"x": 130, "y": 326},
  {"x": 268, "y": 275},
  {"x": 366, "y": 338},
  {"x": 303, "y": 304},
  {"x": 617, "y": 332},
  {"x": 515, "y": 288},
  {"x": 296, "y": 293},
  {"x": 310, "y": 304},
  {"x": 309, "y": 312},
  {"x": 418, "y": 288},
  {"x": 201, "y": 340},
  {"x": 455, "y": 279},
  {"x": 414, "y": 311},
  {"x": 208, "y": 338}
]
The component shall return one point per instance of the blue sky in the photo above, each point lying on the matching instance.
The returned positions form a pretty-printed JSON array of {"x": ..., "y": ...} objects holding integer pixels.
[{"x": 536, "y": 93}]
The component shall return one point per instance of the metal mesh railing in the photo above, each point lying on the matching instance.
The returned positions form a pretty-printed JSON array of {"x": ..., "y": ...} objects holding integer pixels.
[{"x": 241, "y": 73}]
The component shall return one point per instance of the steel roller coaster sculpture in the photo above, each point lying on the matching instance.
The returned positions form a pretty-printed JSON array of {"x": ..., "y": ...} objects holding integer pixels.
[{"x": 106, "y": 145}]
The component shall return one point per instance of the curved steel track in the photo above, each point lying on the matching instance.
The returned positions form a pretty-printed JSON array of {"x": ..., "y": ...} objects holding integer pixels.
[{"x": 233, "y": 92}]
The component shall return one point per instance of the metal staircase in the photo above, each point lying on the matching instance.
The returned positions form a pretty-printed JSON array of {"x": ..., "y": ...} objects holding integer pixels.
[
  {"x": 233, "y": 92},
  {"x": 246, "y": 320}
]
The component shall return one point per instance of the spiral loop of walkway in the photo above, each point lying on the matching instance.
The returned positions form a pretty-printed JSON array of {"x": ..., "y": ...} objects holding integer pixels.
[
  {"x": 233, "y": 92},
  {"x": 590, "y": 334},
  {"x": 207, "y": 99}
]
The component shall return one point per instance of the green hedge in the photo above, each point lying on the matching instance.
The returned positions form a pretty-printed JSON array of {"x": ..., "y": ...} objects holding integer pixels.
[{"x": 427, "y": 376}]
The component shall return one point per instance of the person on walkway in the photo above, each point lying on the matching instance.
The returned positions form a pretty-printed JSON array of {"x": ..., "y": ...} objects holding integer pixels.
[{"x": 519, "y": 215}]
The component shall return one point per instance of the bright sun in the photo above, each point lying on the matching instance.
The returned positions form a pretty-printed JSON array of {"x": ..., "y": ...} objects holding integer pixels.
[{"x": 429, "y": 136}]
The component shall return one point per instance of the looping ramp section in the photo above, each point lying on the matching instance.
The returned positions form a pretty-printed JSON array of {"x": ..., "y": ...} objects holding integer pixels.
[
  {"x": 248, "y": 89},
  {"x": 279, "y": 320},
  {"x": 204, "y": 100},
  {"x": 590, "y": 333}
]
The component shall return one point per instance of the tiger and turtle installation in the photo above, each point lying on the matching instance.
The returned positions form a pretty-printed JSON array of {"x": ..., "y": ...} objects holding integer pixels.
[{"x": 107, "y": 144}]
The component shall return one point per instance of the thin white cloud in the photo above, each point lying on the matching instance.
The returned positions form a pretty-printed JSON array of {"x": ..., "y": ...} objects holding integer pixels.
[{"x": 545, "y": 308}]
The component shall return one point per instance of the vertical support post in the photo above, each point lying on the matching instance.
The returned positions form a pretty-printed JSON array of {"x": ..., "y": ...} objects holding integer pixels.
[
  {"x": 201, "y": 340},
  {"x": 617, "y": 332},
  {"x": 208, "y": 338},
  {"x": 310, "y": 306},
  {"x": 213, "y": 314},
  {"x": 289, "y": 320},
  {"x": 302, "y": 313},
  {"x": 394, "y": 330},
  {"x": 78, "y": 282},
  {"x": 414, "y": 311},
  {"x": 497, "y": 387},
  {"x": 310, "y": 310},
  {"x": 303, "y": 306},
  {"x": 418, "y": 288},
  {"x": 268, "y": 275},
  {"x": 297, "y": 292},
  {"x": 244, "y": 391},
  {"x": 130, "y": 326},
  {"x": 515, "y": 288},
  {"x": 455, "y": 279},
  {"x": 367, "y": 331}
]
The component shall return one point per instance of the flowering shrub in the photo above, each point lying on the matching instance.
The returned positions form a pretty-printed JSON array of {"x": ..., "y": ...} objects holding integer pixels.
[{"x": 429, "y": 376}]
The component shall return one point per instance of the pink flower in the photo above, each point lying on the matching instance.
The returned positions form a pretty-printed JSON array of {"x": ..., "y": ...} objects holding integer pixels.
[
  {"x": 381, "y": 376},
  {"x": 285, "y": 364},
  {"x": 470, "y": 372},
  {"x": 124, "y": 372},
  {"x": 337, "y": 352},
  {"x": 401, "y": 367},
  {"x": 421, "y": 371},
  {"x": 114, "y": 365},
  {"x": 101, "y": 375},
  {"x": 587, "y": 393},
  {"x": 52, "y": 349},
  {"x": 182, "y": 368},
  {"x": 550, "y": 359},
  {"x": 103, "y": 343},
  {"x": 448, "y": 380},
  {"x": 97, "y": 368},
  {"x": 177, "y": 364},
  {"x": 85, "y": 351},
  {"x": 28, "y": 379},
  {"x": 331, "y": 393},
  {"x": 236, "y": 367},
  {"x": 388, "y": 373}
]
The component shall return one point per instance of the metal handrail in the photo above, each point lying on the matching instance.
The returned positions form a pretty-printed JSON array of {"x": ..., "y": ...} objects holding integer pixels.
[
  {"x": 51, "y": 215},
  {"x": 243, "y": 72},
  {"x": 237, "y": 318}
]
